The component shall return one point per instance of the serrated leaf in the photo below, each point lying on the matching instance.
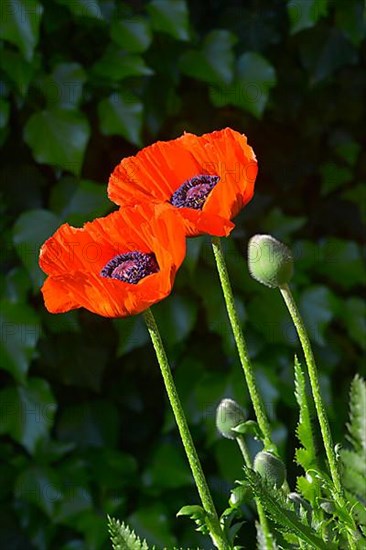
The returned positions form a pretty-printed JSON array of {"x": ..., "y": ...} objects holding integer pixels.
[
  {"x": 279, "y": 511},
  {"x": 58, "y": 137},
  {"x": 123, "y": 537},
  {"x": 19, "y": 24},
  {"x": 357, "y": 424},
  {"x": 171, "y": 17},
  {"x": 305, "y": 457},
  {"x": 122, "y": 114}
]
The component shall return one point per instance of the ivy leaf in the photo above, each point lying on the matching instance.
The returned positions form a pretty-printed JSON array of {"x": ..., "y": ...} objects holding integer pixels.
[
  {"x": 214, "y": 63},
  {"x": 20, "y": 332},
  {"x": 317, "y": 305},
  {"x": 83, "y": 8},
  {"x": 133, "y": 35},
  {"x": 64, "y": 87},
  {"x": 28, "y": 412},
  {"x": 171, "y": 17},
  {"x": 19, "y": 24},
  {"x": 304, "y": 14},
  {"x": 254, "y": 78},
  {"x": 122, "y": 114},
  {"x": 58, "y": 137},
  {"x": 31, "y": 230},
  {"x": 117, "y": 64}
]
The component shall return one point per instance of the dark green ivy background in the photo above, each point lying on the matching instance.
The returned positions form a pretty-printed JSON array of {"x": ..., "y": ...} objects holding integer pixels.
[{"x": 86, "y": 429}]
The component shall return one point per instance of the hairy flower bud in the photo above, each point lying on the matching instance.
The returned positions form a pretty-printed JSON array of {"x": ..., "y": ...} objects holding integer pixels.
[
  {"x": 228, "y": 415},
  {"x": 271, "y": 468},
  {"x": 270, "y": 261}
]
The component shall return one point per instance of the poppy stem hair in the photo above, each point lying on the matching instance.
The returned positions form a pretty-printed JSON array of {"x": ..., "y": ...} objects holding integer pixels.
[
  {"x": 255, "y": 397},
  {"x": 216, "y": 532}
]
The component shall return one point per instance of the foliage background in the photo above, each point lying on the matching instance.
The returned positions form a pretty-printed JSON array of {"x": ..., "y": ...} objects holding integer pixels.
[{"x": 85, "y": 424}]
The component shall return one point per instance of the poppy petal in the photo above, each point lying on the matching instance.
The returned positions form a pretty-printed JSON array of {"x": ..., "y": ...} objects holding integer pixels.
[
  {"x": 159, "y": 170},
  {"x": 73, "y": 259}
]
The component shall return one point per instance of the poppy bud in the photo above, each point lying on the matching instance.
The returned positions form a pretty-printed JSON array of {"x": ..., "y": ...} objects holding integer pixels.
[
  {"x": 239, "y": 495},
  {"x": 270, "y": 261},
  {"x": 271, "y": 468},
  {"x": 228, "y": 415}
]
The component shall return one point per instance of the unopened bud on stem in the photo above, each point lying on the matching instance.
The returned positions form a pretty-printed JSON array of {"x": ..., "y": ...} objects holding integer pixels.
[
  {"x": 271, "y": 468},
  {"x": 229, "y": 415},
  {"x": 270, "y": 261}
]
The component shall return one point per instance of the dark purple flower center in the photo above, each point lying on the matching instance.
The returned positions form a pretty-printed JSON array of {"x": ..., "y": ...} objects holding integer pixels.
[
  {"x": 130, "y": 267},
  {"x": 194, "y": 192}
]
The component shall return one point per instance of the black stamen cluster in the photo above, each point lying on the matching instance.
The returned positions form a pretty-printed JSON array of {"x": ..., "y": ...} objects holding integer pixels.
[
  {"x": 204, "y": 184},
  {"x": 142, "y": 266}
]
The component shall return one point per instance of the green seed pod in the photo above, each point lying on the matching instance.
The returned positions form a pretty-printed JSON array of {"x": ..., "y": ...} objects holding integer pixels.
[
  {"x": 228, "y": 415},
  {"x": 271, "y": 468},
  {"x": 270, "y": 261}
]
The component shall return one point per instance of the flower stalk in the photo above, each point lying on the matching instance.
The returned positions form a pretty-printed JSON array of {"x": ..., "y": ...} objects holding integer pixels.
[
  {"x": 315, "y": 387},
  {"x": 216, "y": 532},
  {"x": 256, "y": 399}
]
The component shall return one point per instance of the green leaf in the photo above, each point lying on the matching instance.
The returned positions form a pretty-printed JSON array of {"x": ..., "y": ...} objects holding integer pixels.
[
  {"x": 334, "y": 176},
  {"x": 350, "y": 17},
  {"x": 305, "y": 457},
  {"x": 304, "y": 14},
  {"x": 133, "y": 35},
  {"x": 83, "y": 8},
  {"x": 171, "y": 17},
  {"x": 167, "y": 468},
  {"x": 40, "y": 486},
  {"x": 152, "y": 523},
  {"x": 214, "y": 62},
  {"x": 123, "y": 537},
  {"x": 176, "y": 318},
  {"x": 64, "y": 87},
  {"x": 122, "y": 114},
  {"x": 317, "y": 304},
  {"x": 132, "y": 334},
  {"x": 117, "y": 64},
  {"x": 19, "y": 71},
  {"x": 58, "y": 137},
  {"x": 357, "y": 414},
  {"x": 90, "y": 424},
  {"x": 30, "y": 231},
  {"x": 341, "y": 261},
  {"x": 354, "y": 316},
  {"x": 28, "y": 412},
  {"x": 280, "y": 512},
  {"x": 254, "y": 78},
  {"x": 19, "y": 24},
  {"x": 78, "y": 201},
  {"x": 4, "y": 119},
  {"x": 20, "y": 332}
]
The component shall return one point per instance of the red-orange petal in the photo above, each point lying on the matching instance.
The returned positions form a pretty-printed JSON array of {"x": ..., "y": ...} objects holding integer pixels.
[
  {"x": 73, "y": 259},
  {"x": 157, "y": 171}
]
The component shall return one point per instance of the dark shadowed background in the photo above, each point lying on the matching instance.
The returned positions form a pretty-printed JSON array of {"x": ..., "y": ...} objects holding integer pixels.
[{"x": 86, "y": 429}]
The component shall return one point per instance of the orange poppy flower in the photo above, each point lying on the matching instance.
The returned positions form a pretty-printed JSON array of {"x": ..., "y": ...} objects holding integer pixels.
[
  {"x": 208, "y": 178},
  {"x": 114, "y": 266}
]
